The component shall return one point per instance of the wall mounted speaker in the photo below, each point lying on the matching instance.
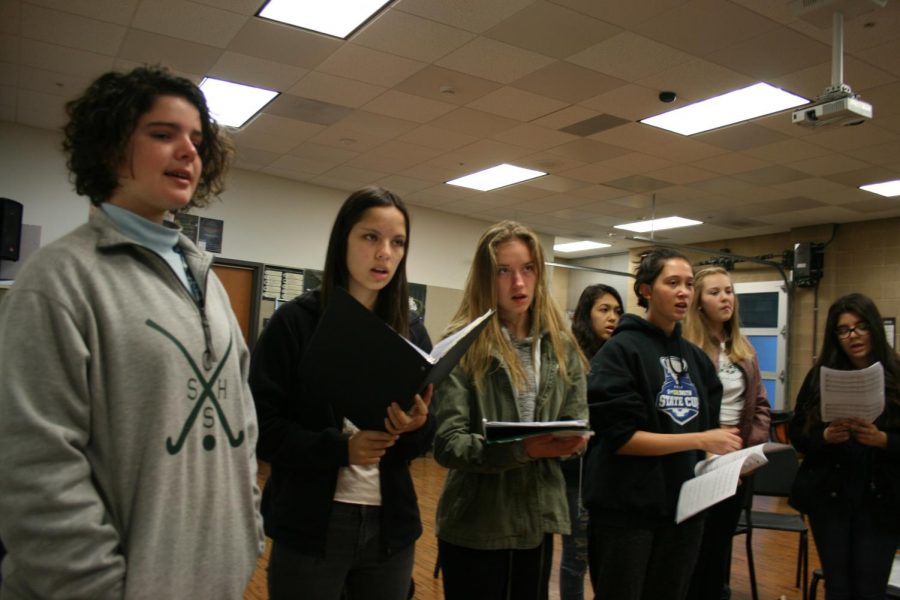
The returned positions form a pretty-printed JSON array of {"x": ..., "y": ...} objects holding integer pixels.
[{"x": 10, "y": 229}]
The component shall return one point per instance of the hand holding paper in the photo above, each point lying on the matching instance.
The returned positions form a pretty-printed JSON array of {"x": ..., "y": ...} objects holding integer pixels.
[{"x": 717, "y": 478}]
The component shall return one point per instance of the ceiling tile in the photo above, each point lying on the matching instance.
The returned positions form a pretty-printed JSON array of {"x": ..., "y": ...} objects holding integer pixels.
[
  {"x": 480, "y": 155},
  {"x": 259, "y": 72},
  {"x": 594, "y": 125},
  {"x": 638, "y": 183},
  {"x": 682, "y": 174},
  {"x": 811, "y": 82},
  {"x": 446, "y": 85},
  {"x": 70, "y": 30},
  {"x": 567, "y": 82},
  {"x": 275, "y": 134},
  {"x": 883, "y": 56},
  {"x": 302, "y": 166},
  {"x": 565, "y": 117},
  {"x": 370, "y": 66},
  {"x": 773, "y": 54},
  {"x": 637, "y": 162},
  {"x": 846, "y": 139},
  {"x": 253, "y": 159},
  {"x": 727, "y": 23},
  {"x": 623, "y": 14},
  {"x": 636, "y": 136},
  {"x": 242, "y": 7},
  {"x": 730, "y": 163},
  {"x": 722, "y": 185},
  {"x": 863, "y": 176},
  {"x": 786, "y": 151},
  {"x": 629, "y": 57},
  {"x": 494, "y": 60},
  {"x": 437, "y": 138},
  {"x": 281, "y": 43},
  {"x": 179, "y": 19},
  {"x": 771, "y": 175},
  {"x": 684, "y": 149},
  {"x": 471, "y": 15},
  {"x": 828, "y": 164},
  {"x": 873, "y": 205},
  {"x": 10, "y": 18},
  {"x": 552, "y": 30},
  {"x": 335, "y": 90},
  {"x": 474, "y": 122},
  {"x": 741, "y": 137},
  {"x": 531, "y": 136},
  {"x": 555, "y": 183},
  {"x": 318, "y": 151},
  {"x": 695, "y": 80},
  {"x": 306, "y": 109},
  {"x": 380, "y": 125},
  {"x": 587, "y": 150},
  {"x": 51, "y": 57},
  {"x": 111, "y": 11},
  {"x": 180, "y": 55},
  {"x": 631, "y": 101},
  {"x": 56, "y": 84},
  {"x": 879, "y": 154},
  {"x": 407, "y": 35},
  {"x": 414, "y": 108},
  {"x": 517, "y": 104}
]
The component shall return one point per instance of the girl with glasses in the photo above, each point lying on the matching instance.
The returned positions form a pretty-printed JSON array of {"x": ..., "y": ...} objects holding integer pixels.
[{"x": 849, "y": 481}]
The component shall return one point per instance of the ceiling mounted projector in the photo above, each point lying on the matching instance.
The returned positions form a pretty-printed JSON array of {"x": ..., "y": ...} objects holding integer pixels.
[{"x": 841, "y": 111}]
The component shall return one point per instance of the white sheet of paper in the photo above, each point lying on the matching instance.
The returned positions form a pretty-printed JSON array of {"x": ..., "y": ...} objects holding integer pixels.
[
  {"x": 753, "y": 457},
  {"x": 705, "y": 490},
  {"x": 717, "y": 478},
  {"x": 858, "y": 393}
]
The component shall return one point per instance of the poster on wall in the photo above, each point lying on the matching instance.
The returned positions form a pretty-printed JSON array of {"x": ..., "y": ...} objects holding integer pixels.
[
  {"x": 206, "y": 233},
  {"x": 417, "y": 293},
  {"x": 209, "y": 237}
]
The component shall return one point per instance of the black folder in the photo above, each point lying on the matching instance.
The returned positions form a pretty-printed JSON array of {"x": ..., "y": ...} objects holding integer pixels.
[{"x": 360, "y": 365}]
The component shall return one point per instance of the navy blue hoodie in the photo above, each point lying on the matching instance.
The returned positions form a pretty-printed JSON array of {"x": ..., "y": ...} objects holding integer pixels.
[{"x": 645, "y": 380}]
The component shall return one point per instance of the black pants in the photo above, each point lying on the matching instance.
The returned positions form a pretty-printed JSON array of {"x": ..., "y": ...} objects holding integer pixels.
[
  {"x": 643, "y": 564},
  {"x": 714, "y": 559},
  {"x": 496, "y": 574},
  {"x": 856, "y": 553}
]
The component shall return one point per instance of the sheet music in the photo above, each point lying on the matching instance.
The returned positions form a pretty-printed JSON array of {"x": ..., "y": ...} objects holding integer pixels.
[
  {"x": 717, "y": 478},
  {"x": 858, "y": 393},
  {"x": 702, "y": 492}
]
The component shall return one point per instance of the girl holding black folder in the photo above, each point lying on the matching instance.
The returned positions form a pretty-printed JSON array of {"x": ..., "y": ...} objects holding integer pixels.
[
  {"x": 502, "y": 503},
  {"x": 340, "y": 505},
  {"x": 849, "y": 481}
]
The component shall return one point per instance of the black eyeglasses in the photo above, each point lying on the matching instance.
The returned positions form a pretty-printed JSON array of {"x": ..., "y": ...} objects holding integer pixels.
[{"x": 844, "y": 332}]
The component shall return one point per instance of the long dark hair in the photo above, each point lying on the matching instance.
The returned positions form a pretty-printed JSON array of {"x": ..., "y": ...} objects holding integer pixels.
[
  {"x": 834, "y": 357},
  {"x": 392, "y": 304},
  {"x": 651, "y": 265},
  {"x": 581, "y": 321}
]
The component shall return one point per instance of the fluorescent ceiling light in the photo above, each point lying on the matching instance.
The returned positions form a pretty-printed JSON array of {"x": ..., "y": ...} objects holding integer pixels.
[
  {"x": 885, "y": 188},
  {"x": 658, "y": 224},
  {"x": 338, "y": 18},
  {"x": 740, "y": 105},
  {"x": 496, "y": 177},
  {"x": 233, "y": 104},
  {"x": 578, "y": 246}
]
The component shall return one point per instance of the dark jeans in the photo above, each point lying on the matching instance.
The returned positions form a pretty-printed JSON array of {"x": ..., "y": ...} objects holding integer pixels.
[
  {"x": 644, "y": 564},
  {"x": 353, "y": 560},
  {"x": 714, "y": 559},
  {"x": 855, "y": 552},
  {"x": 574, "y": 561},
  {"x": 496, "y": 574}
]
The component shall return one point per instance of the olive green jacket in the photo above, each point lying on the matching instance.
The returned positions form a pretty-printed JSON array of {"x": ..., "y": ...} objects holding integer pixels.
[{"x": 494, "y": 497}]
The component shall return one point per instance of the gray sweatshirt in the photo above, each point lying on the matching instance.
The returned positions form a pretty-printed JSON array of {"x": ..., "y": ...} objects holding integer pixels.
[{"x": 128, "y": 466}]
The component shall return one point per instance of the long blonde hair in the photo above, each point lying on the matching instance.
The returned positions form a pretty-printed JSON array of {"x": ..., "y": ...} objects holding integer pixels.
[
  {"x": 698, "y": 328},
  {"x": 481, "y": 294}
]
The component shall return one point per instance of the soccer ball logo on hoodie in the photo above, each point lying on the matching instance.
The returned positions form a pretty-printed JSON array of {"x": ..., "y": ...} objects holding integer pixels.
[{"x": 678, "y": 397}]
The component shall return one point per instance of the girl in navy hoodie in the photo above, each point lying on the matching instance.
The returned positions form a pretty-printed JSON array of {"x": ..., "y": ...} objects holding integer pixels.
[{"x": 654, "y": 401}]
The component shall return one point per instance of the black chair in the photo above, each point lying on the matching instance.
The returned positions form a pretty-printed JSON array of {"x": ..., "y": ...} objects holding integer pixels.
[
  {"x": 892, "y": 591},
  {"x": 775, "y": 479}
]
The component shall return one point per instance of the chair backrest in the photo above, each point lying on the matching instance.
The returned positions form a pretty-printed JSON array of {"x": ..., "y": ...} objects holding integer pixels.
[
  {"x": 778, "y": 425},
  {"x": 777, "y": 476}
]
